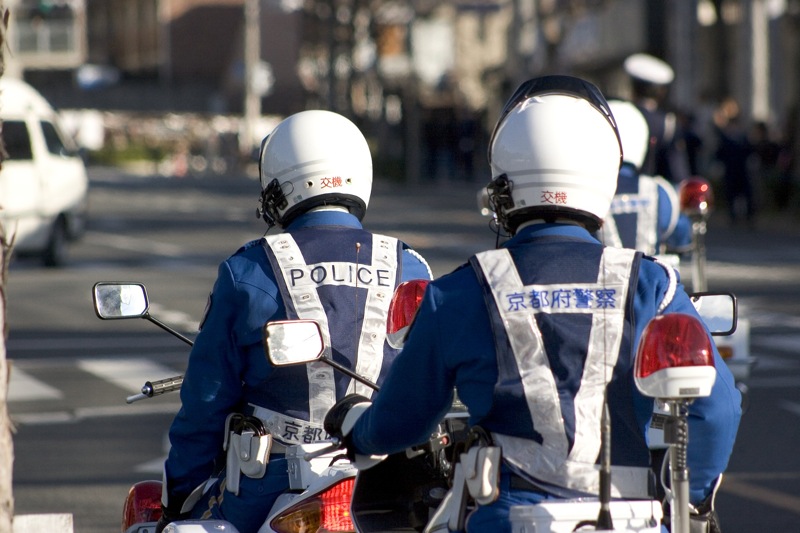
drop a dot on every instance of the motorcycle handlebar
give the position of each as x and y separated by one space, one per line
335 444
156 388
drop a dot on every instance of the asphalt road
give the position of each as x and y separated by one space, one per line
79 446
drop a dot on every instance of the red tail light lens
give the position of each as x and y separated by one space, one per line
675 358
402 310
327 512
336 507
696 196
143 504
673 340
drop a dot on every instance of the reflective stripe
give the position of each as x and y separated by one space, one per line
647 219
376 309
287 429
321 385
609 234
605 299
671 288
674 202
644 204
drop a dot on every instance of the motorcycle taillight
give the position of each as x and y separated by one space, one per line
143 504
327 512
675 358
402 310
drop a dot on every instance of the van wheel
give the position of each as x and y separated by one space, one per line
56 252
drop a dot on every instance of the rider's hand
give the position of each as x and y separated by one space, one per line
338 424
167 516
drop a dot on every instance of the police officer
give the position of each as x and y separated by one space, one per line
523 332
645 209
316 179
651 78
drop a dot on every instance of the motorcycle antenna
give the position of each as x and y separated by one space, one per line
604 521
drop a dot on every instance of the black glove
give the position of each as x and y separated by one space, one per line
168 516
336 415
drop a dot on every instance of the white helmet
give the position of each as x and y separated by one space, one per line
555 153
633 130
311 159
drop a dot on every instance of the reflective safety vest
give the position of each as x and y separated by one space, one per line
350 302
558 341
635 213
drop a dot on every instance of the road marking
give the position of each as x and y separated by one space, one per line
785 343
23 387
161 344
156 466
135 244
792 407
773 382
733 484
177 319
86 413
128 374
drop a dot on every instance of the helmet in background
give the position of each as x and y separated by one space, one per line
555 153
633 131
311 159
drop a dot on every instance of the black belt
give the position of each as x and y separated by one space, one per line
520 483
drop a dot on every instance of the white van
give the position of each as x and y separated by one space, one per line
43 181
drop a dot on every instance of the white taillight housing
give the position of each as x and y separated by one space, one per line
327 512
696 197
402 310
143 504
675 358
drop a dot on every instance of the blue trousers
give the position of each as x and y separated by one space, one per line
248 510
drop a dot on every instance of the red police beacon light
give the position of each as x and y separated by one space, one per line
402 310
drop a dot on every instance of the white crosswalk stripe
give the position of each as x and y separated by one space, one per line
128 374
24 387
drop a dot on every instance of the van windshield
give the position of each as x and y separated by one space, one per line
54 140
17 140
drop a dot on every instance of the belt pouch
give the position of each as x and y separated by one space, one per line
482 473
248 454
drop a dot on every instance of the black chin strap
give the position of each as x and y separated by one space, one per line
272 199
499 190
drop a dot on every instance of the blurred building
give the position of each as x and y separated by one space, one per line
170 55
424 78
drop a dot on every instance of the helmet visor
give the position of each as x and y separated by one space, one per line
558 84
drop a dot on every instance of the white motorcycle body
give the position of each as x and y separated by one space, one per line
561 516
564 516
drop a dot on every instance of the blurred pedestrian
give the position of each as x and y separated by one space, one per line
770 164
733 153
651 78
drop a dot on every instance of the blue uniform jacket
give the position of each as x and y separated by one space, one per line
228 358
451 345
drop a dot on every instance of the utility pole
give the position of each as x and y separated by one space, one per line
252 59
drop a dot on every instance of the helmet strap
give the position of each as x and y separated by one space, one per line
272 200
500 199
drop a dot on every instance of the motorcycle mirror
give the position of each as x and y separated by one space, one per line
114 300
292 342
718 310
